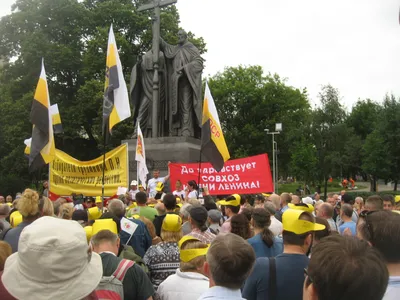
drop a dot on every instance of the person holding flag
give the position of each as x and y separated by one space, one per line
42 148
213 144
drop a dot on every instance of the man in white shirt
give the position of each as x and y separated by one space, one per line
152 184
134 190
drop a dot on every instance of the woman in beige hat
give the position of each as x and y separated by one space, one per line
53 262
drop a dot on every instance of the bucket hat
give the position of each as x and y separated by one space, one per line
53 262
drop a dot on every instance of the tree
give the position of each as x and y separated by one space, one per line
71 35
375 158
304 161
248 101
328 132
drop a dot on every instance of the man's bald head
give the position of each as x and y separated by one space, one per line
325 210
276 201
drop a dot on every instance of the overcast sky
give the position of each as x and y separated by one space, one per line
352 44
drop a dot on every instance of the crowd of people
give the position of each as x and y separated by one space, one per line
151 244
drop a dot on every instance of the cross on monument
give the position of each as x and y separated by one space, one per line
156 5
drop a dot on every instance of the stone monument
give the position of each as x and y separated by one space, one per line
166 90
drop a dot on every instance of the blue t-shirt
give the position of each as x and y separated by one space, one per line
289 278
351 225
261 249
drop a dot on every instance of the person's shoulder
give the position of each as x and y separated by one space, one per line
262 262
253 239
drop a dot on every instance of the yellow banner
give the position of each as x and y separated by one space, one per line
69 175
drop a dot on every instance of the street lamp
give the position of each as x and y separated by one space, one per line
278 129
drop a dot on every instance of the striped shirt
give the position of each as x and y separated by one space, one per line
205 237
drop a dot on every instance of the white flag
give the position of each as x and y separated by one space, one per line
128 226
141 158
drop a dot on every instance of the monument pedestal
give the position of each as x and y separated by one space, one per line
159 151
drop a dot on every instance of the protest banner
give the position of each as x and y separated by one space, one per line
69 175
250 175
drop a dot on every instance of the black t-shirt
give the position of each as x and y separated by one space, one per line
289 278
137 285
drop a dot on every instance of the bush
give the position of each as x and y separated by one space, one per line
365 195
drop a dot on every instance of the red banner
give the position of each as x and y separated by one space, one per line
250 175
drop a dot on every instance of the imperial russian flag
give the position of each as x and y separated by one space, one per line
213 144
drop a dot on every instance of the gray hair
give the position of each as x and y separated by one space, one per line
185 210
117 208
360 198
231 259
161 210
269 207
4 210
104 236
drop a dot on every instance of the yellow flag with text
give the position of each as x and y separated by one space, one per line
69 175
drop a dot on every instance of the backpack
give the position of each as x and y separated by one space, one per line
110 287
129 253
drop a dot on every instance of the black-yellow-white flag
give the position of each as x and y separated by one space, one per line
56 119
57 127
213 144
42 149
116 106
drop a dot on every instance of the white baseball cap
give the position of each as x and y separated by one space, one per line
134 182
53 261
308 200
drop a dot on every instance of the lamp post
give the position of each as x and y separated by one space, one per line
278 129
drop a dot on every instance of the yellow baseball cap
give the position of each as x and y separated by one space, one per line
266 194
94 213
291 222
397 198
189 254
172 222
15 218
235 202
159 187
302 206
98 200
88 230
104 224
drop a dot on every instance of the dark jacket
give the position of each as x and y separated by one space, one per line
12 235
141 239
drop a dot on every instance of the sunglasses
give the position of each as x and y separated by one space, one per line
364 214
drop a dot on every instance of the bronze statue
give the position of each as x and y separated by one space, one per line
166 90
184 65
141 90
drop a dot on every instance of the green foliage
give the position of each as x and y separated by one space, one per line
248 101
328 132
71 36
304 161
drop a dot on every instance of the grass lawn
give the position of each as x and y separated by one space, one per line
332 187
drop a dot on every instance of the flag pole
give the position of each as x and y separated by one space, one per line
104 165
127 242
137 173
199 177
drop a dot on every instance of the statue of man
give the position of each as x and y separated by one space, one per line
185 66
141 89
